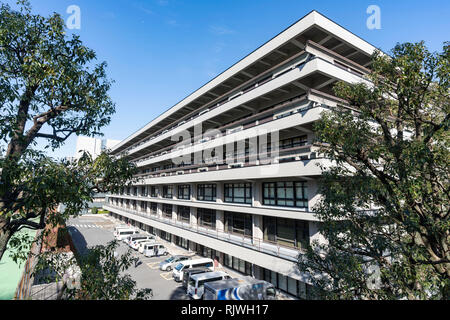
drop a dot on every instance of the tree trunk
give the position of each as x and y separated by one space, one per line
5 235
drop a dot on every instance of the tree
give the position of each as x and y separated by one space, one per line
50 89
101 274
385 205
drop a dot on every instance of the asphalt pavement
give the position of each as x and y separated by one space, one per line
91 230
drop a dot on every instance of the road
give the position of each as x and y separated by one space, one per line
88 231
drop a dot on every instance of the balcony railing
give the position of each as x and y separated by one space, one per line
231 127
300 153
244 88
257 244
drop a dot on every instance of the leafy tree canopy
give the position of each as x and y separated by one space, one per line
50 89
385 205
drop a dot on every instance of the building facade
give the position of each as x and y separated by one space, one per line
94 146
232 170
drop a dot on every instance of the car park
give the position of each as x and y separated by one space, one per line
196 283
169 263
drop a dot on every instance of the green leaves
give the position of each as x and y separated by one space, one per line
386 201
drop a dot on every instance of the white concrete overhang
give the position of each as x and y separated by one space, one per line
330 31
314 66
293 120
294 213
302 168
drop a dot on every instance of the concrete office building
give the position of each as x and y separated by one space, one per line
254 213
94 146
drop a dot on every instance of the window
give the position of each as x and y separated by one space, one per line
239 223
144 192
153 191
237 264
294 142
144 206
206 192
184 192
165 235
182 242
288 232
289 285
238 192
206 217
285 194
167 191
153 208
167 210
183 213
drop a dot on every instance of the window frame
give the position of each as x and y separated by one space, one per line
298 201
201 196
247 198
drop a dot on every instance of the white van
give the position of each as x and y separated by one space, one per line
124 233
195 287
135 243
154 250
143 243
120 227
177 272
135 237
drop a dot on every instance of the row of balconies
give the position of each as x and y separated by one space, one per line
255 243
244 88
301 153
297 61
263 117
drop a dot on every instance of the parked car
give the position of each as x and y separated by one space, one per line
154 250
196 282
128 240
120 227
143 243
122 234
134 243
177 272
190 272
169 263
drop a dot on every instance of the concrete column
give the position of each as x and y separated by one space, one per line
257 194
193 216
257 229
312 191
220 225
219 192
314 233
174 213
159 210
138 190
193 191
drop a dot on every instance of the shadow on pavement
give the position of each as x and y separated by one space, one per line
179 294
78 240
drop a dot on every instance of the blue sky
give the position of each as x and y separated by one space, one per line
160 51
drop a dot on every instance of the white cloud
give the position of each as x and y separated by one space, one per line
220 30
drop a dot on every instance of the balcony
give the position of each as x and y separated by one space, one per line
260 245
